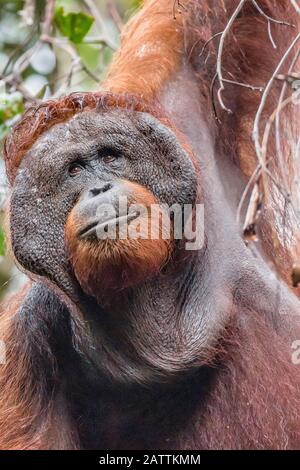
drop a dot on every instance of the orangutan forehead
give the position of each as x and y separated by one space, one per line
88 124
37 121
89 129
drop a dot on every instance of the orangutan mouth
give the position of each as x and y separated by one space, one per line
97 226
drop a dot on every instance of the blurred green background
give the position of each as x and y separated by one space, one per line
47 49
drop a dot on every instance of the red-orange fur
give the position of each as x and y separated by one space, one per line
256 399
151 51
26 421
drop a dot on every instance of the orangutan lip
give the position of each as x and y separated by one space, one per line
95 224
88 227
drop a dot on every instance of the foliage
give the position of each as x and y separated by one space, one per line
11 106
74 26
35 65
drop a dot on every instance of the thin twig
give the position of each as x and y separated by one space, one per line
179 5
249 231
296 6
27 13
23 61
271 35
95 12
244 85
114 13
19 48
204 46
69 49
48 19
212 88
21 64
255 133
267 131
253 180
291 77
95 40
220 54
17 83
208 41
269 18
277 120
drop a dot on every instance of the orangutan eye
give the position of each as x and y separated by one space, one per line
75 168
109 155
109 158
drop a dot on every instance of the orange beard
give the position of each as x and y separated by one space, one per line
105 267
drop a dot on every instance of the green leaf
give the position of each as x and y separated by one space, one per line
2 243
74 26
90 55
11 106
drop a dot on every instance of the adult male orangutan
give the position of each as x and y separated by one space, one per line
140 343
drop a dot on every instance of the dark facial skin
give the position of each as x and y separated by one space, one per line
74 159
